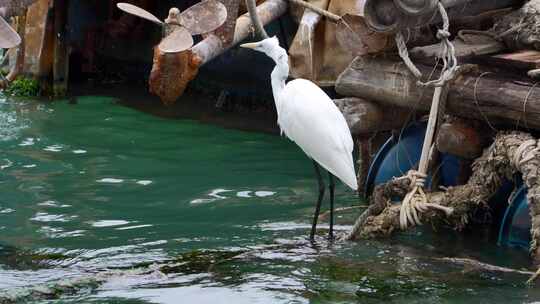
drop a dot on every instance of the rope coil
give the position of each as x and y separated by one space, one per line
526 151
448 54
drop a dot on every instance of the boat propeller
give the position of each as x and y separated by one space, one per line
8 36
200 18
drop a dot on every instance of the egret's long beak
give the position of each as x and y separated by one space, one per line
250 45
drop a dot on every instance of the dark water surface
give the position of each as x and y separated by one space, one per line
100 203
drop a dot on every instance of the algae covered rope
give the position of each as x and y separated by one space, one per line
416 200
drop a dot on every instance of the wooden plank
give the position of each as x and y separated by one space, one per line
35 37
61 57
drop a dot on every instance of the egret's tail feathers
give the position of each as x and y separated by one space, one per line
350 181
345 173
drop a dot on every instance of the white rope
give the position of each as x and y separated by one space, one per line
416 200
526 151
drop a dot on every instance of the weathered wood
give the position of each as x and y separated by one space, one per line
61 57
36 40
459 137
364 117
520 60
519 29
465 45
489 97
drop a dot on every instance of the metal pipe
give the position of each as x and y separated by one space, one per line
391 15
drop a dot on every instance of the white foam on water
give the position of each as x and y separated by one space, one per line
133 227
79 151
214 194
29 141
6 211
144 182
109 223
53 148
109 180
46 217
55 204
58 233
264 193
7 164
244 194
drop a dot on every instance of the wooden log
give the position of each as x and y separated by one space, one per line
488 97
365 117
268 11
461 138
169 82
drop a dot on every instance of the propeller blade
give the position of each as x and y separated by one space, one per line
204 16
8 36
139 12
177 41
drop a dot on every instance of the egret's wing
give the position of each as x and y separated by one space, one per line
311 119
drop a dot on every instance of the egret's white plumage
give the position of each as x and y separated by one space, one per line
309 117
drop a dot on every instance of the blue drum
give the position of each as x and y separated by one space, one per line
516 224
399 155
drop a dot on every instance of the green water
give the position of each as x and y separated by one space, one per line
101 203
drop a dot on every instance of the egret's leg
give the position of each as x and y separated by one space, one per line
319 200
331 187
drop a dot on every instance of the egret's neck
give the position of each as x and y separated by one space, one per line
280 73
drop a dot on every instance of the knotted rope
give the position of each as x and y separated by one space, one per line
416 200
525 152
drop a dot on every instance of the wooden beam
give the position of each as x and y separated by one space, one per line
364 117
61 56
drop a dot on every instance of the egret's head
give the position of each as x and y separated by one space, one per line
269 46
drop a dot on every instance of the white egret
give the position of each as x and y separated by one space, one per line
307 116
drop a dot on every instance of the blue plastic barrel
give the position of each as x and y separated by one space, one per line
399 155
516 224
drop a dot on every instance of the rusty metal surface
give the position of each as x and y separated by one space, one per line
354 35
179 40
204 17
393 15
139 12
416 7
171 73
8 36
226 31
